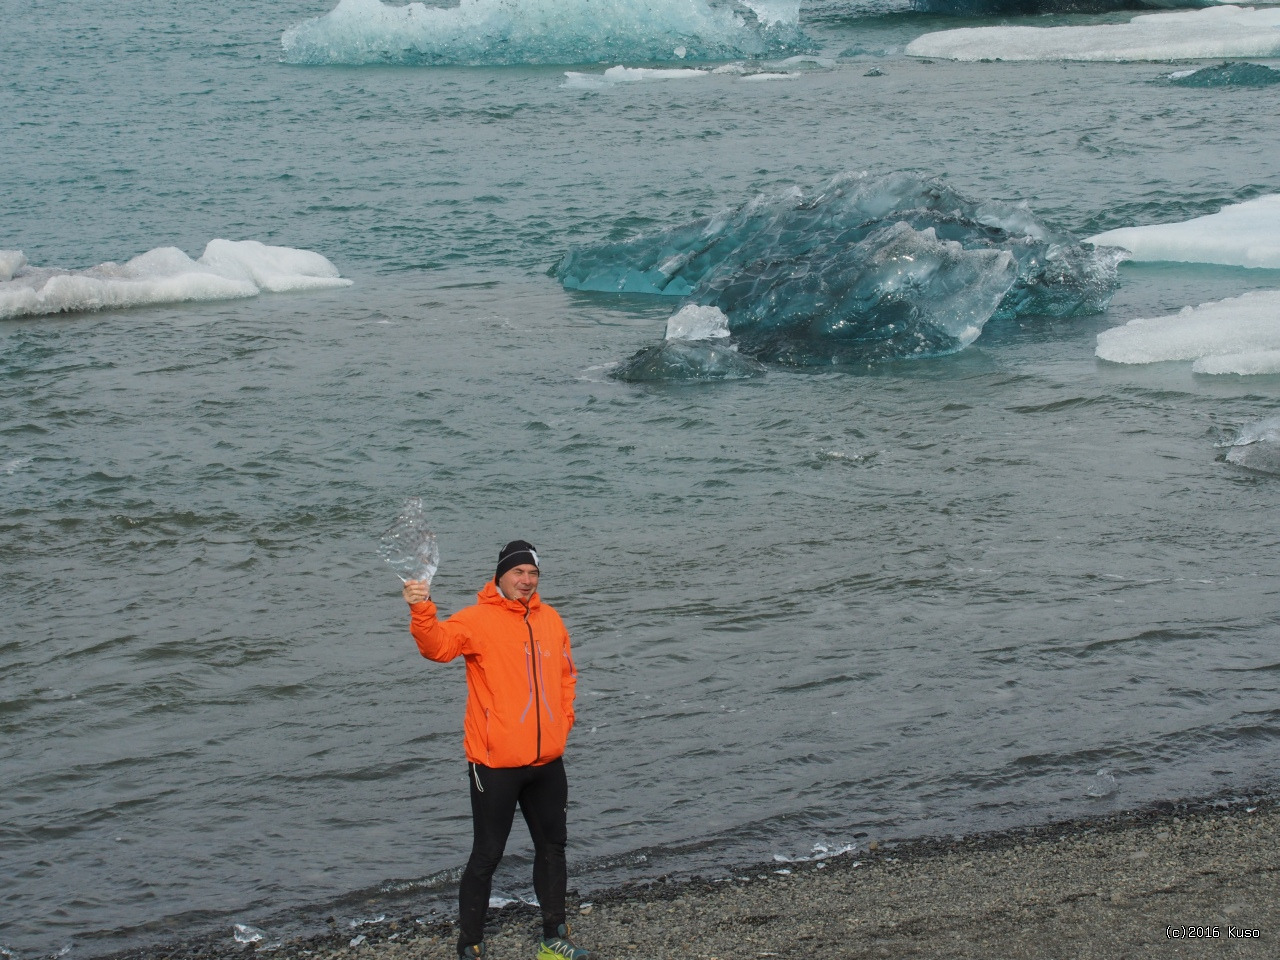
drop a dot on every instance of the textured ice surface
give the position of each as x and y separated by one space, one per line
496 32
691 360
1241 235
899 292
228 269
1227 75
697 323
1257 446
409 545
1240 335
871 268
1225 31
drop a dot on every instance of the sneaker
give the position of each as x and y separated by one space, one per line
472 951
560 947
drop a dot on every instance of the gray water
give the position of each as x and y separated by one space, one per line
919 598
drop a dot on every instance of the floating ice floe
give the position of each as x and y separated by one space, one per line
497 32
871 268
1240 335
1241 235
788 69
228 270
615 75
1216 32
1257 446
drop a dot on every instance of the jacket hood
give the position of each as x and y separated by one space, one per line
489 594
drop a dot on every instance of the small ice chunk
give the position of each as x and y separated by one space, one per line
409 545
1102 785
697 323
246 933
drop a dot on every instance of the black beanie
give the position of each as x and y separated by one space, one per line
513 554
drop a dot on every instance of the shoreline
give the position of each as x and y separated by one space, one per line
1186 878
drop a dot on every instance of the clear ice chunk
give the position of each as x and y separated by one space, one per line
409 545
1102 785
697 323
245 933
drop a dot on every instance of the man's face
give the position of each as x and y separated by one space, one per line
520 582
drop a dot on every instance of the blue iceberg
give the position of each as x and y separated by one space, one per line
505 32
871 268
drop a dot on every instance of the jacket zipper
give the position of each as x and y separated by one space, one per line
537 684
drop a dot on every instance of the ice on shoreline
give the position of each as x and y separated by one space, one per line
228 270
1213 33
1241 235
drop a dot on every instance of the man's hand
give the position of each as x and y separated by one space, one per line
416 591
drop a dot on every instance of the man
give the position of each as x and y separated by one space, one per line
520 686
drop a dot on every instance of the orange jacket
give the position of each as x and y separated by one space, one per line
520 675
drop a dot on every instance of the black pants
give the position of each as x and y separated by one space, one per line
543 795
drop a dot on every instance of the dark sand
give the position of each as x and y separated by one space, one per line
1191 879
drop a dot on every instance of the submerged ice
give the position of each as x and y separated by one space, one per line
498 32
872 268
1227 75
228 269
696 348
1257 446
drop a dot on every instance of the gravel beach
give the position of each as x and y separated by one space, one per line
1187 879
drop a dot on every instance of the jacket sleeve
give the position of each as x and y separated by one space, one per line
568 681
437 641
